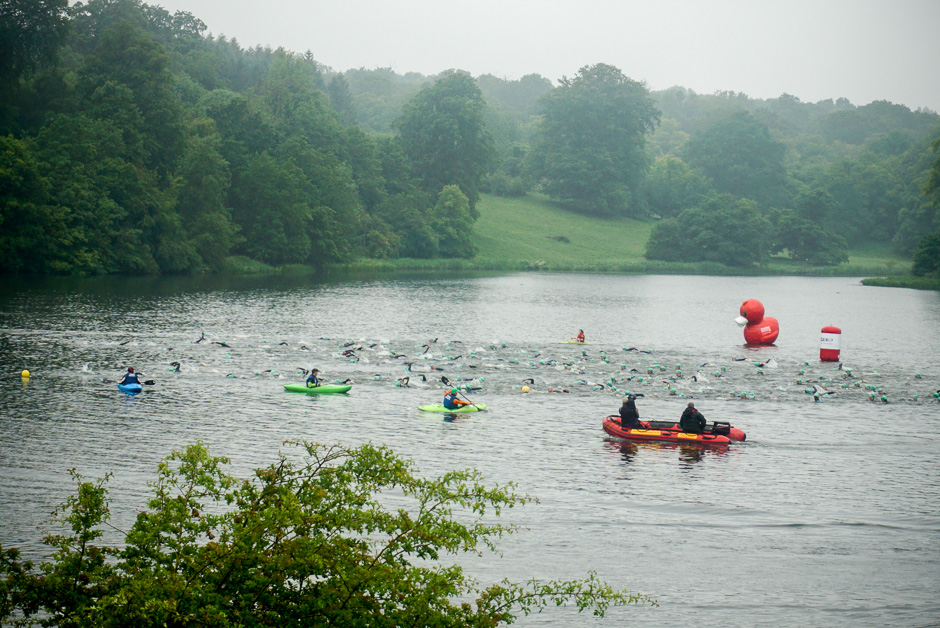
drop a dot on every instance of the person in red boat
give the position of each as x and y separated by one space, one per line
692 421
629 415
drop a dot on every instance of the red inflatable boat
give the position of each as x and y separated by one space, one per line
719 433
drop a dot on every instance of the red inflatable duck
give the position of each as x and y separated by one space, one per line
759 329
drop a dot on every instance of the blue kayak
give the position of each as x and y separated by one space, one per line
130 388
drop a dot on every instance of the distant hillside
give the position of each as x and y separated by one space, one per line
535 233
538 232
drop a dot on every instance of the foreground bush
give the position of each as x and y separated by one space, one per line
347 537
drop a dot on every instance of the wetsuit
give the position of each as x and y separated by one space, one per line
629 415
692 421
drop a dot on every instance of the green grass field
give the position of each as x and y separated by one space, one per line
528 233
533 231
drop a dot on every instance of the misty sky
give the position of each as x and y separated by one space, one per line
863 50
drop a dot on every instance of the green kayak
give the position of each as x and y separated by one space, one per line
573 342
322 389
436 407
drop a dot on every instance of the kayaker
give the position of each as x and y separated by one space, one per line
692 421
580 335
312 380
451 402
629 415
130 377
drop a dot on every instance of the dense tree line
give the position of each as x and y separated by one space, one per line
822 176
132 141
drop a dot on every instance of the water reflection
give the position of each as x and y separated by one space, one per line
628 450
696 453
687 452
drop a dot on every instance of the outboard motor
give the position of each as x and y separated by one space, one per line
724 428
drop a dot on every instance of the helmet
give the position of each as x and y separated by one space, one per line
453 391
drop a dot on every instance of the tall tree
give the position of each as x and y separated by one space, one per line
204 181
806 240
330 192
589 149
31 32
866 194
129 58
341 99
673 186
742 159
932 187
723 229
927 255
450 218
269 202
444 134
32 232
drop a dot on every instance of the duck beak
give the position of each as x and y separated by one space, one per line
741 321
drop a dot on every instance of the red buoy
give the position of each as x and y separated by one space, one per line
830 341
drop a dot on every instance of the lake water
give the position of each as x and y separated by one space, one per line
828 515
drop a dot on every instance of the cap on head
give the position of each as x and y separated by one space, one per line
691 405
453 391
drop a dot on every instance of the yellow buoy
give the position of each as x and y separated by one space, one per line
525 389
25 374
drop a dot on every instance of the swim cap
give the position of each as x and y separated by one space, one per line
453 391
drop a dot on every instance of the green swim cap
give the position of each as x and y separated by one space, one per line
453 391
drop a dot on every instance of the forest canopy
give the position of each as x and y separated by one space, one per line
131 141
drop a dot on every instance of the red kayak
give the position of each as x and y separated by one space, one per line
720 433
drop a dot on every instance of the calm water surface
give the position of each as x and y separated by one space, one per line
828 515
